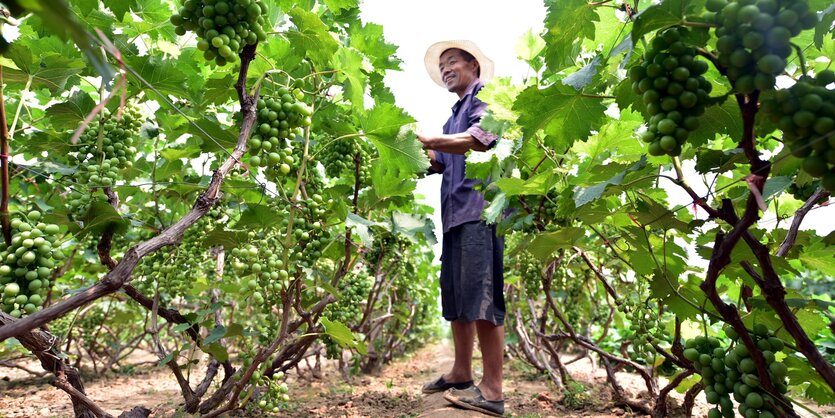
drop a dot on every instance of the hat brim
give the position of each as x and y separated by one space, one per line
433 58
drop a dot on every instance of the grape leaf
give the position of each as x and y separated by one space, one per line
338 5
584 76
369 40
163 75
567 22
668 13
563 113
583 195
545 244
342 335
349 63
51 71
70 113
311 37
410 226
536 185
398 147
824 26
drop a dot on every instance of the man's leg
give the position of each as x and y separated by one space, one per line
491 340
463 338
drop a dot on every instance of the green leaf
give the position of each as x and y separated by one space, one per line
529 46
349 62
362 226
775 185
397 145
496 208
215 334
338 5
163 75
69 114
719 161
342 335
370 41
563 113
544 245
584 76
722 119
583 195
120 7
567 22
536 185
216 350
259 216
668 13
653 214
51 71
819 256
311 37
824 26
214 136
227 239
410 226
102 217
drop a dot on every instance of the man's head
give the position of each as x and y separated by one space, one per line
458 69
455 64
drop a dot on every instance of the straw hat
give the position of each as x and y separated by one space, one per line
433 58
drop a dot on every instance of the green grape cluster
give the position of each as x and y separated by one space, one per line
348 308
648 328
338 157
754 38
805 112
223 26
105 148
275 394
175 271
727 373
27 264
672 87
279 118
805 191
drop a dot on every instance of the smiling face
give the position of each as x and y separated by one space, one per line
456 72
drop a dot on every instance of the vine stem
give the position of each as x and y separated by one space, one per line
800 57
4 166
20 106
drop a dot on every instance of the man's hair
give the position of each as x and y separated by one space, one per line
467 57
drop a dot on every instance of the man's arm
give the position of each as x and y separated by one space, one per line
451 143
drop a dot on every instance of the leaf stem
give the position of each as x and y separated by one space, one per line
19 107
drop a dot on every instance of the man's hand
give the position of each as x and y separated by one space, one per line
426 140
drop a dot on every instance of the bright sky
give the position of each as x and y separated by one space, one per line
493 25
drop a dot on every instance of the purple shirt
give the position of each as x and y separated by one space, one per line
460 202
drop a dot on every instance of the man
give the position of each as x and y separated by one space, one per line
471 260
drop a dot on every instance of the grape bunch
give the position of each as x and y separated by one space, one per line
105 148
348 308
672 87
754 38
275 394
805 191
338 157
648 328
805 112
27 264
223 26
279 117
727 373
176 271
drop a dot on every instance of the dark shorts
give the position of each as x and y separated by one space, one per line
472 265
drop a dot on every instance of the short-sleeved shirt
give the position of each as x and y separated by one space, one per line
460 202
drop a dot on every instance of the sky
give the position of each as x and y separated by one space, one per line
494 26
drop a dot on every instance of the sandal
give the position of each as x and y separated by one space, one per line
441 385
474 401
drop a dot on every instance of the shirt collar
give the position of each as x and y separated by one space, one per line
473 85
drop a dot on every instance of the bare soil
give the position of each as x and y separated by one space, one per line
393 392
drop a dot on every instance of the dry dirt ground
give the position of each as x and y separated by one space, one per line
393 392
